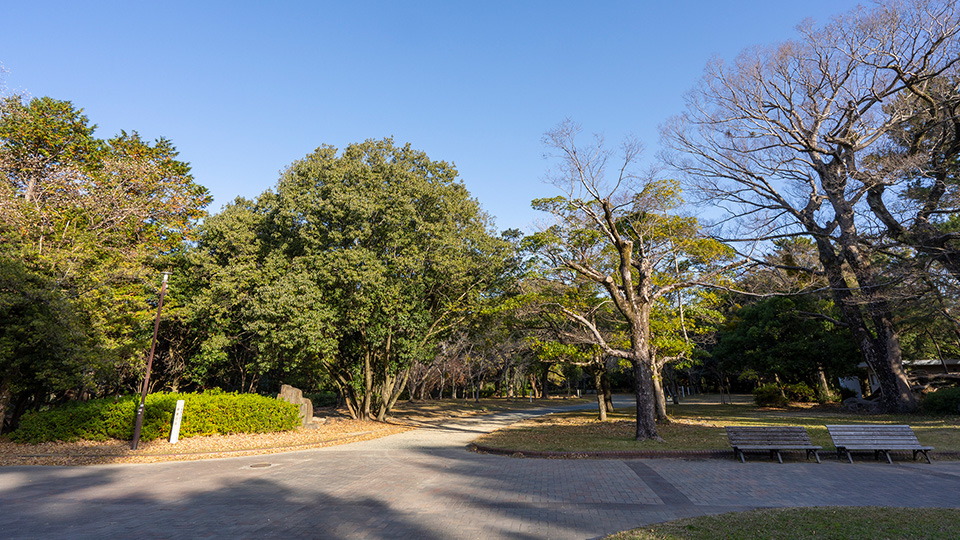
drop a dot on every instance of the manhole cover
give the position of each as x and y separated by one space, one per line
261 465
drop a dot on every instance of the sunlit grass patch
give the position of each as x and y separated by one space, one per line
699 427
820 523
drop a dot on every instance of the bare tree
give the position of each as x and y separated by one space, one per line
779 140
923 156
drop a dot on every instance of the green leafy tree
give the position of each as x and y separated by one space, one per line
403 250
557 339
250 318
44 345
40 137
682 325
787 340
620 234
95 219
357 264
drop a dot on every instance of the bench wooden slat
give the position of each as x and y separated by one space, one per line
770 438
879 438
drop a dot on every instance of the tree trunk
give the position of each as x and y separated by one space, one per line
670 376
387 390
601 401
412 389
643 373
367 386
390 393
823 387
646 408
661 398
870 320
6 396
607 391
349 396
545 385
534 391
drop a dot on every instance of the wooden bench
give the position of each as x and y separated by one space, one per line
770 438
878 438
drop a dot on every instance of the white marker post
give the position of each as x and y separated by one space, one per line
177 418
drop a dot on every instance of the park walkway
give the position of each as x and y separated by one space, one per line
423 484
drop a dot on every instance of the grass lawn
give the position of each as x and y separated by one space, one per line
819 523
452 408
699 426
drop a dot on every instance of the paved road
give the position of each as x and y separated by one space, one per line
423 484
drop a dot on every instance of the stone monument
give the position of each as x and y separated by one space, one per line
294 395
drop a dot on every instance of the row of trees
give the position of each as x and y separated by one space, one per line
82 221
371 270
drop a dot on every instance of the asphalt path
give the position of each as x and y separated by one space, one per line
425 484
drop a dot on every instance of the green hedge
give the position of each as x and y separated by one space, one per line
212 412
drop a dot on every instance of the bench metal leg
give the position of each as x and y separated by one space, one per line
924 452
887 454
777 452
815 454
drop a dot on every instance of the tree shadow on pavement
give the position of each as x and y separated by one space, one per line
44 502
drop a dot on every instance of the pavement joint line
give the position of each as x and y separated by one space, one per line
652 454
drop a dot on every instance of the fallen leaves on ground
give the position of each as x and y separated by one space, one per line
334 431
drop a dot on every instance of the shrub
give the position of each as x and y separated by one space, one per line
799 392
943 401
769 395
208 413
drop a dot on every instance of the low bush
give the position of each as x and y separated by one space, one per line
769 395
799 392
212 412
943 401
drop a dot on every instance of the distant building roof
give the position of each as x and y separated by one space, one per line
932 362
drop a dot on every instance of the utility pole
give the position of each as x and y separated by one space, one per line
138 426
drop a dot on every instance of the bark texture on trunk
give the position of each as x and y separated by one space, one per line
661 397
646 409
6 397
601 400
870 319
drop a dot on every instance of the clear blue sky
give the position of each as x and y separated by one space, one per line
243 88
